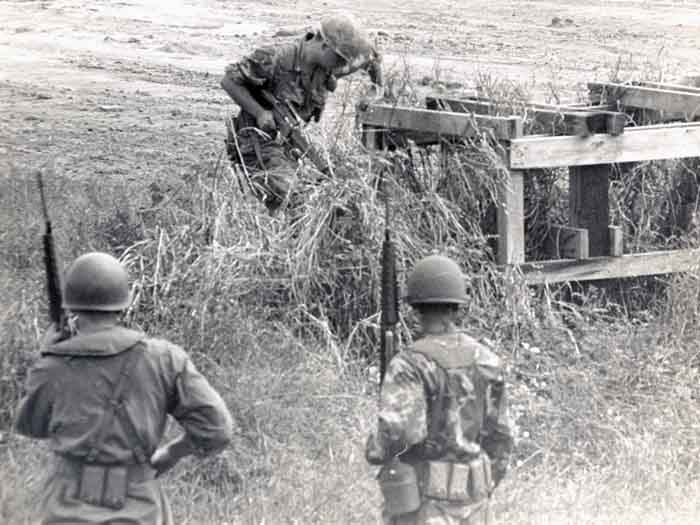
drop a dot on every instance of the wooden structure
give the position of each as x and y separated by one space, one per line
595 137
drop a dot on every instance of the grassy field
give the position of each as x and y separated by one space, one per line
603 381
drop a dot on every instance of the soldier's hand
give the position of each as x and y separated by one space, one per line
162 460
266 121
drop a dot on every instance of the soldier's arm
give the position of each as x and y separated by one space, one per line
402 420
199 409
255 70
34 411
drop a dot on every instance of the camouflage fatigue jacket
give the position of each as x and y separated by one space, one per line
67 391
279 69
444 399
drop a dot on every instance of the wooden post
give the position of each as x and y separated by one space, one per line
372 137
511 219
616 241
510 211
589 204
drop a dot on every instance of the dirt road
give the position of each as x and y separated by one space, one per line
132 88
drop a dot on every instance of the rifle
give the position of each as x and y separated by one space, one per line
389 298
289 127
56 313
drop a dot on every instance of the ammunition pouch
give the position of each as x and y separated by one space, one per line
465 483
103 485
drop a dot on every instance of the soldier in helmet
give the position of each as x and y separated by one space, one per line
101 397
299 74
443 435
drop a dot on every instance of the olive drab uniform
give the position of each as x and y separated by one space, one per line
443 411
101 398
267 161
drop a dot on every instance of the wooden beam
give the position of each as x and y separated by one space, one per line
636 144
631 265
671 87
589 206
510 219
441 122
616 241
569 120
648 97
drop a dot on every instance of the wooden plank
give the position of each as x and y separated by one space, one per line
671 87
441 122
569 243
636 144
510 219
630 265
589 206
648 98
485 102
616 241
584 121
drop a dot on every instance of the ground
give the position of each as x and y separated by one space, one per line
118 87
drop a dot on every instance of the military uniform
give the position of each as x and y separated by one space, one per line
269 161
101 398
443 411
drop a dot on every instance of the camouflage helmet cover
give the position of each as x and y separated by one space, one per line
436 279
96 281
346 37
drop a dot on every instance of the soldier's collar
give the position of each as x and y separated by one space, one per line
110 341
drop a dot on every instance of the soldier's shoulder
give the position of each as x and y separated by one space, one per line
486 356
162 348
267 56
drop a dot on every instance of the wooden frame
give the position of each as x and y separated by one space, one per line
593 143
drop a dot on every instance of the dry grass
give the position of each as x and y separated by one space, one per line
282 318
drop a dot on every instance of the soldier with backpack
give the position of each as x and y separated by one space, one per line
443 436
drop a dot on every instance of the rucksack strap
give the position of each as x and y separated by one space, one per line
116 408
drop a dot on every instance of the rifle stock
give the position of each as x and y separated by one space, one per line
56 313
288 126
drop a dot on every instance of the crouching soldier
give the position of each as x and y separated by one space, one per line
102 396
281 88
443 435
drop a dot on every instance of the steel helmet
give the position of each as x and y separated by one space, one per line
96 281
436 279
346 37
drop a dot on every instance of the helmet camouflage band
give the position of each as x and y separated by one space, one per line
97 282
436 279
345 36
